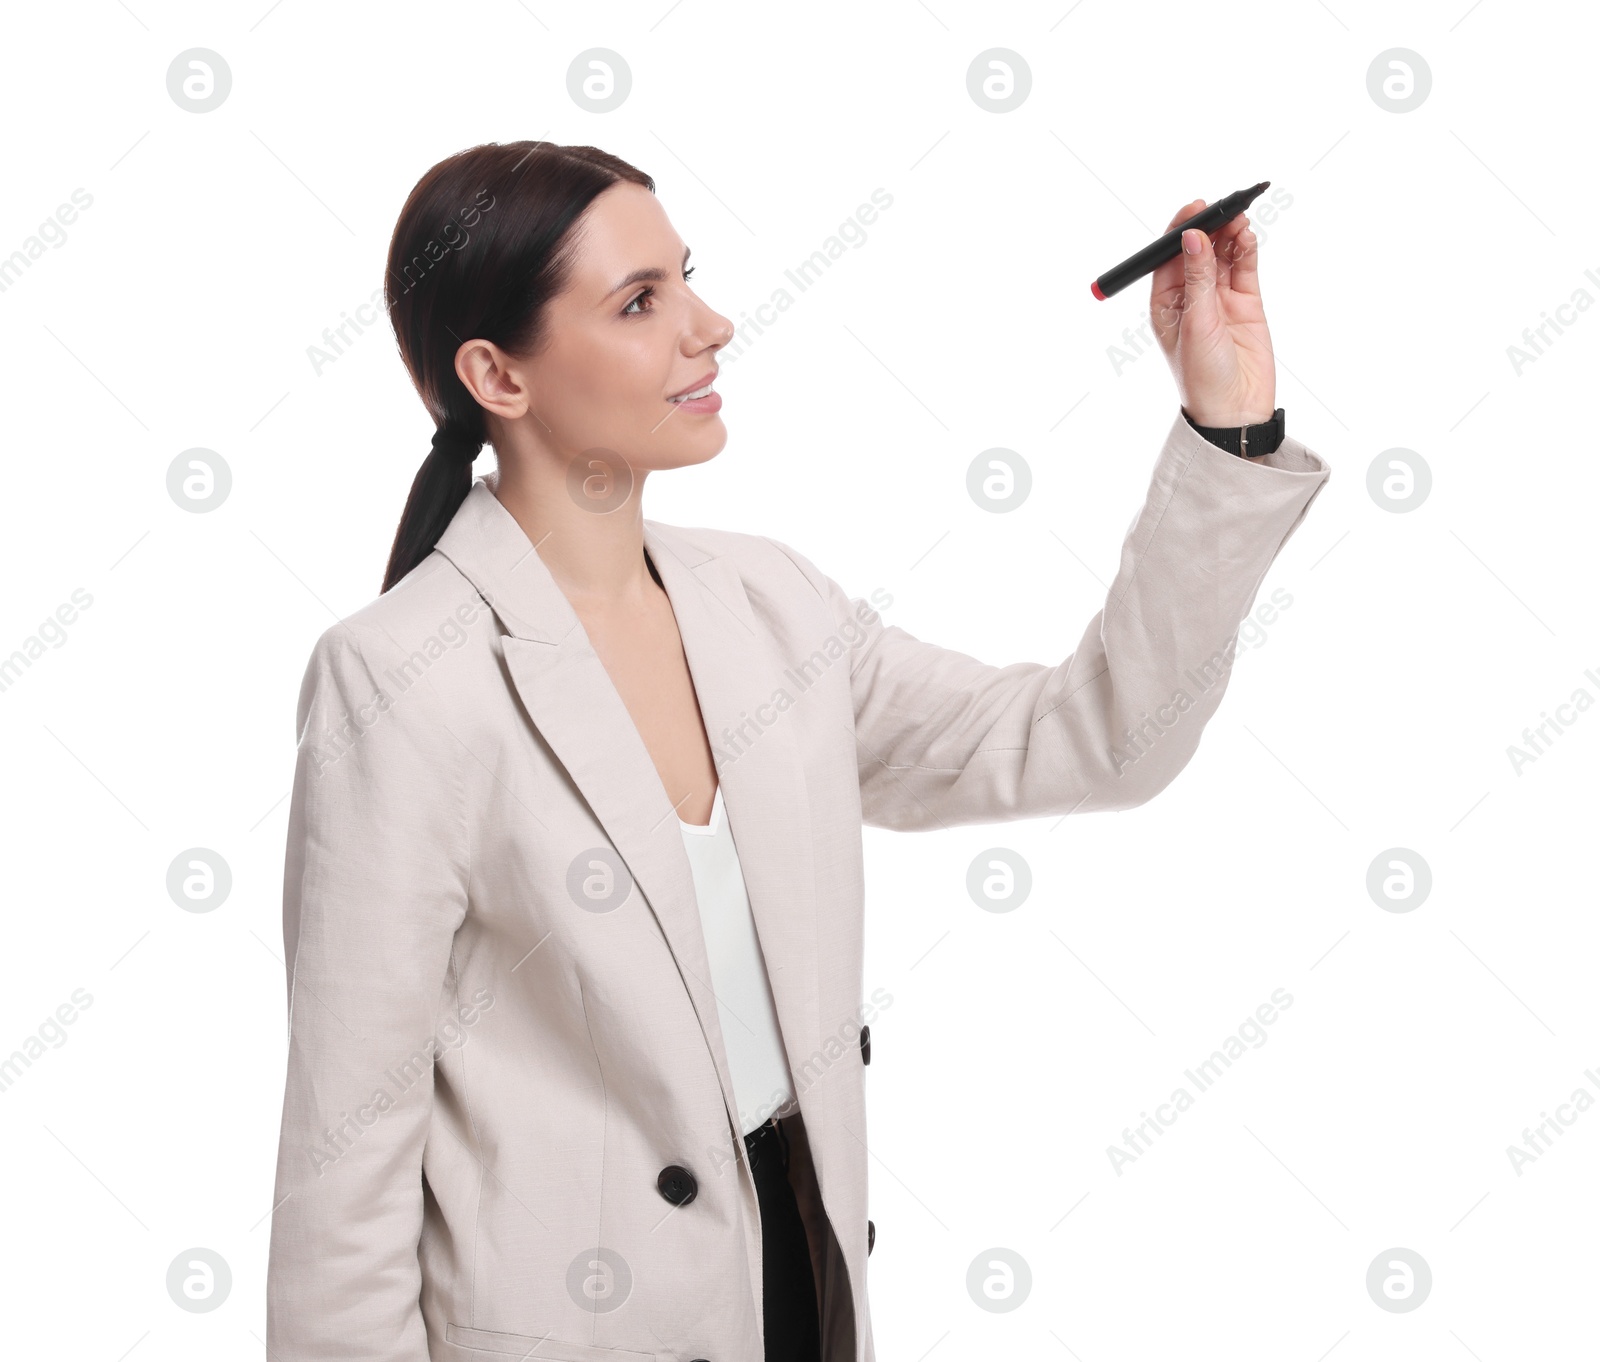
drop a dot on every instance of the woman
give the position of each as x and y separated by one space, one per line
573 893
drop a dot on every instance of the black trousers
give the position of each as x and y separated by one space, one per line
788 1286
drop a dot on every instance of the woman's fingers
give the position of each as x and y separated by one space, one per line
1228 249
1234 249
1243 275
1224 240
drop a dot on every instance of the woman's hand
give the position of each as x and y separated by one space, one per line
1206 309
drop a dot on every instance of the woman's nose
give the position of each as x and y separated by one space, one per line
714 327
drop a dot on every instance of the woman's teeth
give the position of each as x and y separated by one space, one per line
698 392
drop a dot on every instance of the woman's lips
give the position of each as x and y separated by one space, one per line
711 402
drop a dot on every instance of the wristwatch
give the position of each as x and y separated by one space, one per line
1245 441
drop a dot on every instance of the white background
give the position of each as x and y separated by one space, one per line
1377 712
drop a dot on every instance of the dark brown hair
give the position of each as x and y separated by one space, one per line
483 244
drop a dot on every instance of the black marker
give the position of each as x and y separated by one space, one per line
1163 248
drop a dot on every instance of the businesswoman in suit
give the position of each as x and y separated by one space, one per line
573 888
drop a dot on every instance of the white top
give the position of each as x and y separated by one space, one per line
761 1082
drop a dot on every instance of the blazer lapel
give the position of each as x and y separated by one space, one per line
570 698
736 676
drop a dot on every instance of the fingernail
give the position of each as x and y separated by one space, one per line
1191 241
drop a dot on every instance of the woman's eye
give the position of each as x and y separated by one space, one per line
650 292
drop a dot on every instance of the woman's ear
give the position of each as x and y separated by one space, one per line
494 379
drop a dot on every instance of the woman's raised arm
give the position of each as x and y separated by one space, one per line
943 739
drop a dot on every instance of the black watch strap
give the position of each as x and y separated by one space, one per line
1245 441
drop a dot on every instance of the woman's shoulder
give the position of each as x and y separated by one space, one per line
430 613
424 601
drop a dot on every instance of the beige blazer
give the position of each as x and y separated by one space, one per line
508 1125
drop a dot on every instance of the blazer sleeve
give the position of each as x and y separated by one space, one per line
943 739
375 885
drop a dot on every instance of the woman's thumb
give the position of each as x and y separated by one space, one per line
1199 275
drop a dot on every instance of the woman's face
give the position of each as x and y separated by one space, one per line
626 336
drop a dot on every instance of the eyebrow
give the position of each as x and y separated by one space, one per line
651 275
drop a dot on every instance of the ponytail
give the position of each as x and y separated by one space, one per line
441 485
